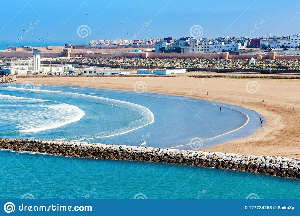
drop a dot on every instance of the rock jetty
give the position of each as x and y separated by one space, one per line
275 166
6 79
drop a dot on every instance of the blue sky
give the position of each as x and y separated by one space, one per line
58 20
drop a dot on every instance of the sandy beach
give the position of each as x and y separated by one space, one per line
278 100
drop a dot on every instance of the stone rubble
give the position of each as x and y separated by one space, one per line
275 166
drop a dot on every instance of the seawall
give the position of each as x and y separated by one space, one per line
275 166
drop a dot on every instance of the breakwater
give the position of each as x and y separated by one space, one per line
275 166
6 79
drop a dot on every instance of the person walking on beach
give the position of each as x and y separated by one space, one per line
261 121
220 109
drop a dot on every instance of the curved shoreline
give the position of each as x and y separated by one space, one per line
241 130
275 166
140 109
281 109
219 135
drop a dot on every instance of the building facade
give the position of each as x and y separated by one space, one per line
36 61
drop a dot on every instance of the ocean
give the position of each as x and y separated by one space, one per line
5 44
73 113
47 112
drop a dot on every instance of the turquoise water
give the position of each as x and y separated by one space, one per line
44 176
118 117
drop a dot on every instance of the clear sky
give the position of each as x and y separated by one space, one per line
58 20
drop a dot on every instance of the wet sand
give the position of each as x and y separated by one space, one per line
278 100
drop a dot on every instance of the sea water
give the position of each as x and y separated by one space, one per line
45 176
122 117
118 117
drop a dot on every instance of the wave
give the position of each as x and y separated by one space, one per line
147 117
63 113
38 115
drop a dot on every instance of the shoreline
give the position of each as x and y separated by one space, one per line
278 137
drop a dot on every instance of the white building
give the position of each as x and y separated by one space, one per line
198 46
295 40
18 67
162 45
281 42
225 47
36 60
193 45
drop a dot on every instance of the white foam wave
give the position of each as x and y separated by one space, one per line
10 98
63 114
144 112
148 116
30 89
38 116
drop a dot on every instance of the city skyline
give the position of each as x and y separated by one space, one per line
45 22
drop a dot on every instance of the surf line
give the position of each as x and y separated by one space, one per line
228 132
143 111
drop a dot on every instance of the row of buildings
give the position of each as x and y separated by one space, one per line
33 66
227 44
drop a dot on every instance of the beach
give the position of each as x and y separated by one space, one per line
275 99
